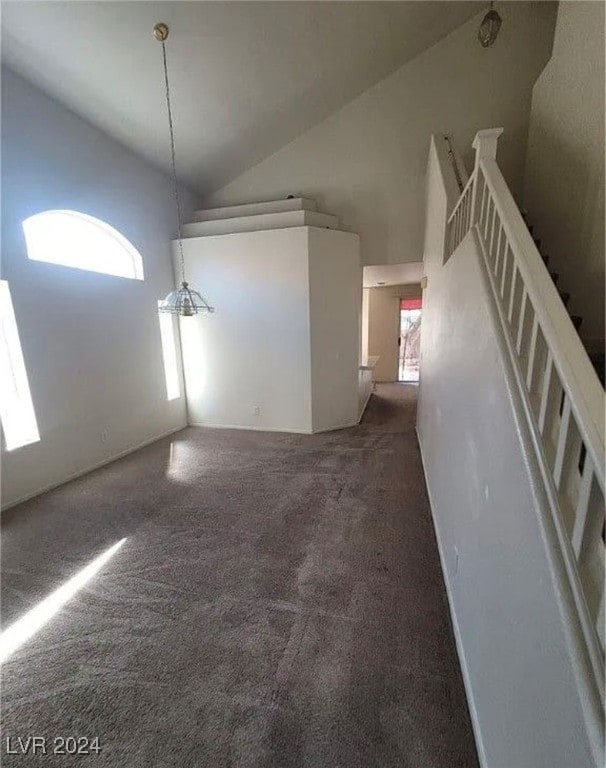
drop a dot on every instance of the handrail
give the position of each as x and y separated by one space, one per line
466 188
458 165
459 221
564 403
586 654
577 375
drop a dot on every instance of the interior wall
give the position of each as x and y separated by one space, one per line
248 364
335 288
383 332
384 327
366 163
364 320
91 342
510 632
564 180
280 352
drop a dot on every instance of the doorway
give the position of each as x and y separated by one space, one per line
409 340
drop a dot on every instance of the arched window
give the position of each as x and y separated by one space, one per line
74 239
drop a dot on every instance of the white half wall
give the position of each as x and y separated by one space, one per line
366 163
91 342
564 182
335 294
505 602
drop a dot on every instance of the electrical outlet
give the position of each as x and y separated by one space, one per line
456 562
256 410
104 435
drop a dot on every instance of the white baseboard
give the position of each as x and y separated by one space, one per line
91 468
475 722
364 406
249 429
345 425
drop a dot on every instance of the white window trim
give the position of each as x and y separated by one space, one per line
47 252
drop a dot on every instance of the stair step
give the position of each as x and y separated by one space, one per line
576 321
555 277
262 221
565 296
255 209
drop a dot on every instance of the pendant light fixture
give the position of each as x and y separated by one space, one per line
184 301
489 28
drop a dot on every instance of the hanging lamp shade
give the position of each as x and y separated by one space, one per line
183 301
489 28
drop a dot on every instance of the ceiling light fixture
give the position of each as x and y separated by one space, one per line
489 28
184 301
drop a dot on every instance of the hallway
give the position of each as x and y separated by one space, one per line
278 601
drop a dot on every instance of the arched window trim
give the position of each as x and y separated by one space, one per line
37 253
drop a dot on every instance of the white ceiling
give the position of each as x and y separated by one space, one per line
393 274
247 77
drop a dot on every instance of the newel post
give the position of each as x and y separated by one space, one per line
485 145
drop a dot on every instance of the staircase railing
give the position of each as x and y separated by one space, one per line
458 165
563 395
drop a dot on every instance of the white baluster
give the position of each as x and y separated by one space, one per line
512 291
497 252
532 352
485 199
601 621
507 257
589 514
489 215
548 391
568 447
522 315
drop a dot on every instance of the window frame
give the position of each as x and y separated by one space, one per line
98 225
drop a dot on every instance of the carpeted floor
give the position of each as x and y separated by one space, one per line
278 602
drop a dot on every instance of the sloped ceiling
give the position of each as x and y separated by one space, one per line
247 77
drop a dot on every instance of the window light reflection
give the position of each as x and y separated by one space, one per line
26 627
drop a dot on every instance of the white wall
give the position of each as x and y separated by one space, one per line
384 331
564 182
383 327
366 163
254 351
335 293
364 320
91 342
280 352
510 631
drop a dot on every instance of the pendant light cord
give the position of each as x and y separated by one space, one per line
172 157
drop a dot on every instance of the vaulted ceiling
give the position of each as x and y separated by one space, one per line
247 77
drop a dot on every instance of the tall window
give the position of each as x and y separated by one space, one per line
74 239
169 355
16 408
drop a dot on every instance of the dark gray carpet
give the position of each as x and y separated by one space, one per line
278 602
